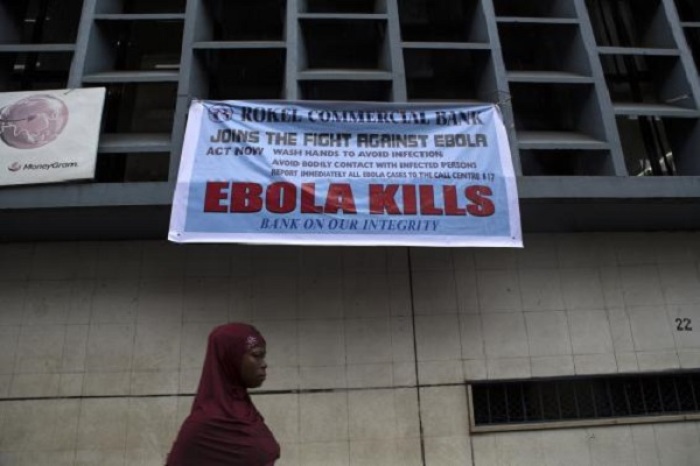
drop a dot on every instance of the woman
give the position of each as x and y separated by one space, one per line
224 428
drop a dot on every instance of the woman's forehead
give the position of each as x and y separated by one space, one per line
254 341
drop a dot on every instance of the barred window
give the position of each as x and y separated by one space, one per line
506 403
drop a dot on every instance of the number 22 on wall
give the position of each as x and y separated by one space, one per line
684 325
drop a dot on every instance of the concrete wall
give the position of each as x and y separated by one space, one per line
101 345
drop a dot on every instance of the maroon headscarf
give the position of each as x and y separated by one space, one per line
224 428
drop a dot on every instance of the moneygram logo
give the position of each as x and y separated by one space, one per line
33 122
41 166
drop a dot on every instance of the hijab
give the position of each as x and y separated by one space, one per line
224 428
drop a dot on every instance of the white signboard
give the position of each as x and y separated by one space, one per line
346 174
49 136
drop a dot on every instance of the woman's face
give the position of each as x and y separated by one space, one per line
254 367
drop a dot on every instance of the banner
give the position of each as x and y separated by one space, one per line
346 174
49 136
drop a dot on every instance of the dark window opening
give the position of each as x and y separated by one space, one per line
684 139
368 91
688 10
339 44
647 79
449 75
536 8
646 145
242 74
552 107
443 21
129 168
154 6
39 21
630 23
566 163
139 45
345 6
247 20
584 398
539 47
34 71
140 7
139 108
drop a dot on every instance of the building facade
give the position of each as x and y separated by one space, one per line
377 355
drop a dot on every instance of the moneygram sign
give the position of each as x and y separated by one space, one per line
346 174
49 136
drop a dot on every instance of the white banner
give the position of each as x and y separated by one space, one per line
49 136
346 174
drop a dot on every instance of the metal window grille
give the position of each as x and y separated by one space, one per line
585 398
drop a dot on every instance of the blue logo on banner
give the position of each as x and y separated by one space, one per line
220 113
